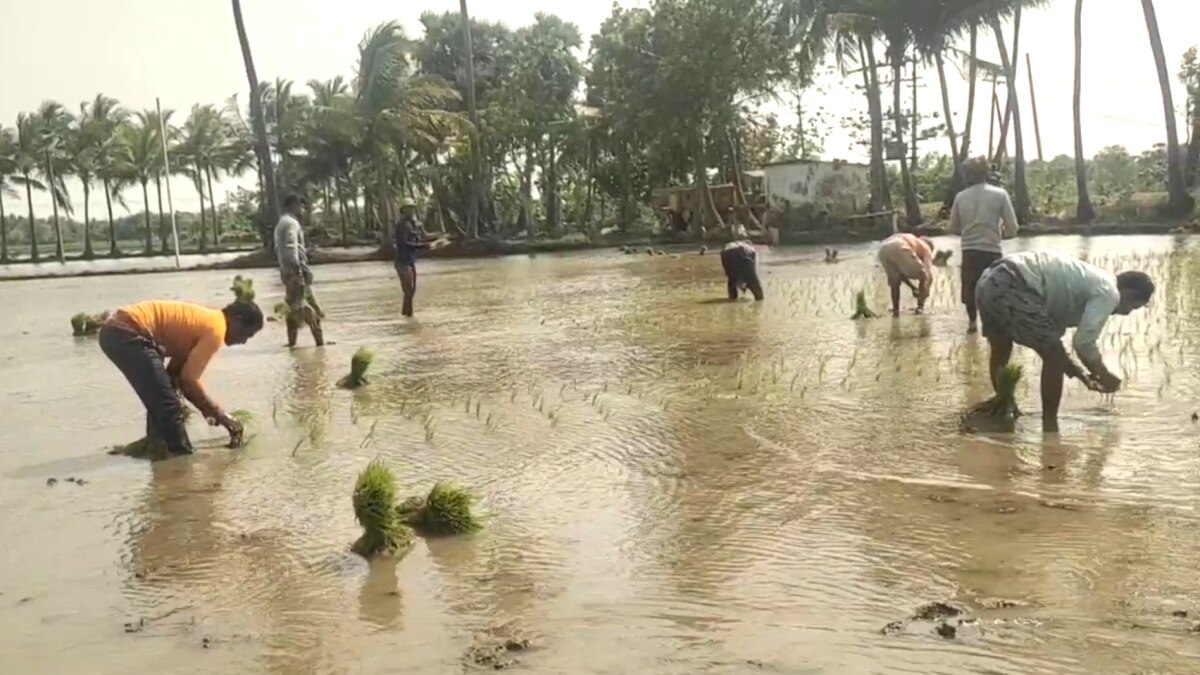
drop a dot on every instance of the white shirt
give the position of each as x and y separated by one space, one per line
983 215
1077 295
289 243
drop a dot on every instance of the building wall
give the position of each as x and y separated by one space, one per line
838 188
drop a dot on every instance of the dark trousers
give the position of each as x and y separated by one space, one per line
140 362
741 269
974 264
408 284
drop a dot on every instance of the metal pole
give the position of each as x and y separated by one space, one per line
162 134
1037 127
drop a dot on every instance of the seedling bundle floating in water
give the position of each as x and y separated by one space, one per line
359 364
1000 412
384 532
445 512
388 527
861 310
243 288
83 324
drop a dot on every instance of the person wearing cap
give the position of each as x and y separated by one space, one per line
162 345
1032 298
982 216
295 274
739 260
410 238
905 257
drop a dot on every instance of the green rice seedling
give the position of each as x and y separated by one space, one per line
359 364
282 311
446 511
384 532
243 288
84 324
861 310
1001 411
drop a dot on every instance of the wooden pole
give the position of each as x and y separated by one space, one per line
162 134
1037 127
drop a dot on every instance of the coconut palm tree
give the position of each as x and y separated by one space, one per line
28 159
396 108
1021 201
203 136
54 131
152 119
1084 211
1180 201
139 158
262 148
93 136
8 175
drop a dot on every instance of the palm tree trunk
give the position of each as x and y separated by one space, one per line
51 184
198 183
1192 178
270 198
473 112
3 234
34 255
879 190
912 208
341 200
212 207
1180 202
1020 185
88 253
525 221
973 77
946 111
112 224
162 221
1084 212
708 212
146 209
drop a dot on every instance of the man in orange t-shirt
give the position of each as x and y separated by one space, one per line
905 257
139 338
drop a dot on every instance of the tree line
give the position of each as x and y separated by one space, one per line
472 116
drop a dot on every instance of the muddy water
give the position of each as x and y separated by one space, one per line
673 486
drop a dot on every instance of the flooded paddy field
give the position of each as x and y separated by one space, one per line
672 485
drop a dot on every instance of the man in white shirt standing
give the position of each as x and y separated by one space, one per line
1032 298
982 216
295 274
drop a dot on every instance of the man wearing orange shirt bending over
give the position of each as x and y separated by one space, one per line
139 339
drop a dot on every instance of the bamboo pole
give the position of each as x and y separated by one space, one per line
162 134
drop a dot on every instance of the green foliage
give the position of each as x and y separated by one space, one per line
374 508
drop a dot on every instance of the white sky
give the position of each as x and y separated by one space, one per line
187 52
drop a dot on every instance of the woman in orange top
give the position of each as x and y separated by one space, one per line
139 338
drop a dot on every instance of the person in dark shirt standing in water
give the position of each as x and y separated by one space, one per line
410 238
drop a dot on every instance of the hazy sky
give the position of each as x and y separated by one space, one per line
187 52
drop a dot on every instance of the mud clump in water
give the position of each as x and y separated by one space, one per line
947 619
497 653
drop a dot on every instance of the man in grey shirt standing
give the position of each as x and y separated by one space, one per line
982 215
302 307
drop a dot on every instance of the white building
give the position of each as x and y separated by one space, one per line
840 188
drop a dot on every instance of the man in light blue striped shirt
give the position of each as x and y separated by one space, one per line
1032 298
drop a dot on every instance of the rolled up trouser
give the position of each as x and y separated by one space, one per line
408 285
740 262
140 361
296 282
